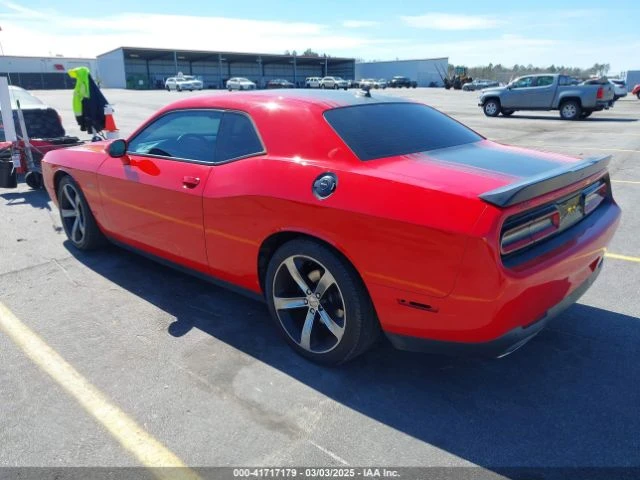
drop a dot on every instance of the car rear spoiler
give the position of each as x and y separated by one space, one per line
538 185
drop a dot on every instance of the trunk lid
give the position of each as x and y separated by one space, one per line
471 169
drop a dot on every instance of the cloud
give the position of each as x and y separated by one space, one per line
447 21
27 32
359 23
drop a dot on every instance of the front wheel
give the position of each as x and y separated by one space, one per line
319 303
638 95
491 107
77 219
570 110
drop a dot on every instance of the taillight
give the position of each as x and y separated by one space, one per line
529 230
593 196
600 93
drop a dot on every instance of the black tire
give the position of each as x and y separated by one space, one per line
168 89
178 89
570 110
92 237
491 107
322 86
34 180
345 296
507 113
638 95
586 113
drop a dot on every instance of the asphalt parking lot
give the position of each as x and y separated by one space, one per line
205 374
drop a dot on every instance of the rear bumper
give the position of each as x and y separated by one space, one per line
501 346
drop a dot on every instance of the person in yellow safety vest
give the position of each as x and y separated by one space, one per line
81 90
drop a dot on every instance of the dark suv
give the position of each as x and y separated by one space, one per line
399 82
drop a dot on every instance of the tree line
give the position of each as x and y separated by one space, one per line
502 73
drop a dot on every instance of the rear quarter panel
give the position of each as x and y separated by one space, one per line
395 234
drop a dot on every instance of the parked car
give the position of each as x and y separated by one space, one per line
474 246
280 83
333 82
44 128
479 85
312 82
619 88
186 82
240 83
399 82
636 91
547 92
380 83
367 83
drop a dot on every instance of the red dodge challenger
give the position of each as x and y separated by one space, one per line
351 215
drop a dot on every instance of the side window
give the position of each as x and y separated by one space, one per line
563 80
238 138
523 82
544 81
184 134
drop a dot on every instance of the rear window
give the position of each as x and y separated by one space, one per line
389 129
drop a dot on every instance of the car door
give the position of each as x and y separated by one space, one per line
152 198
517 95
227 218
542 92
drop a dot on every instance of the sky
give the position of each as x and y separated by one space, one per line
471 33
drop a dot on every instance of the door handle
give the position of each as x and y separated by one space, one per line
190 182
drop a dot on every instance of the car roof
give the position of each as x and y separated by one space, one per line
265 99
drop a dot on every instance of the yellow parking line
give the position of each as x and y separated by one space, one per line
625 181
622 257
149 451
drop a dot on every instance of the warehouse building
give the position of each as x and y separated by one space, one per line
428 72
148 68
43 73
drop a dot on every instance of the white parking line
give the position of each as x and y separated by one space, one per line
330 453
149 451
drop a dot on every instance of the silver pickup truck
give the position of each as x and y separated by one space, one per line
547 92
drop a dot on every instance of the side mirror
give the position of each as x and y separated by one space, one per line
117 148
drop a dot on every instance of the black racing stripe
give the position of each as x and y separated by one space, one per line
495 159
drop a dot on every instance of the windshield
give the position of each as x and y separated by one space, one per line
25 98
389 129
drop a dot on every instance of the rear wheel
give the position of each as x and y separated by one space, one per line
491 107
570 110
638 95
319 303
586 113
77 220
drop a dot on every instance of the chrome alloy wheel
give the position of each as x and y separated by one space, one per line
569 110
491 108
72 214
309 304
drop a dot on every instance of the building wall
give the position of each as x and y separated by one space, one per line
44 73
111 69
633 79
425 72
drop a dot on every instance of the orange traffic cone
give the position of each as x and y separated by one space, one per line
110 128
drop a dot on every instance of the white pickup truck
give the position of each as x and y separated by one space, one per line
547 92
